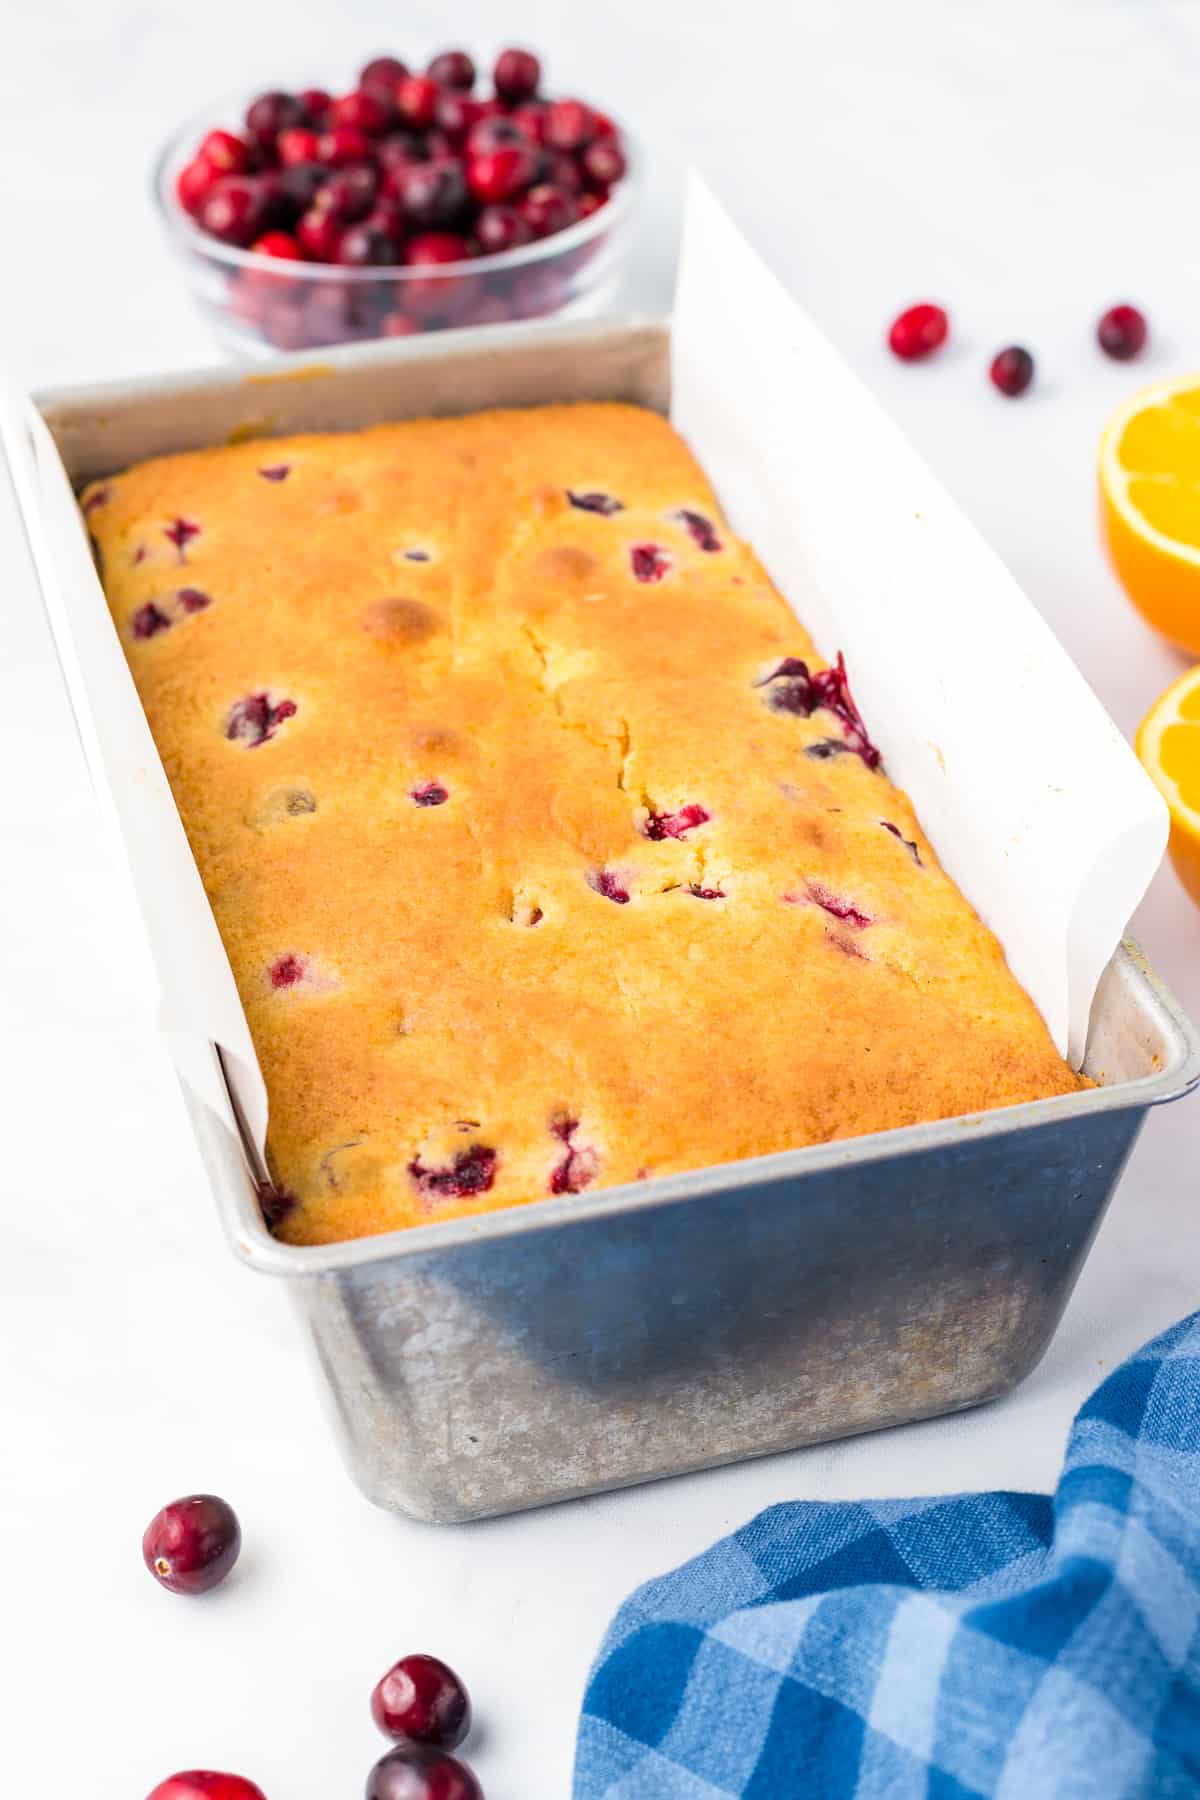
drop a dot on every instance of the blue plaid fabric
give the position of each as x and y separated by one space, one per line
1007 1644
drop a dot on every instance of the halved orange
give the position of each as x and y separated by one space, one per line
1150 504
1168 743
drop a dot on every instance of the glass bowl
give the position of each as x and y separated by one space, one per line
257 305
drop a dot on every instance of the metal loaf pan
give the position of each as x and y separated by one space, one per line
483 1365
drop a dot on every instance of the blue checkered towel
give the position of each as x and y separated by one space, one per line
1006 1645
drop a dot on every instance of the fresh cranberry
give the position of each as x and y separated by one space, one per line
603 163
319 235
611 885
591 203
500 174
1011 370
192 1544
181 532
427 296
471 1172
316 103
229 155
349 195
299 185
530 120
149 620
557 169
909 843
918 331
342 145
235 210
453 69
272 113
430 793
794 690
569 125
363 112
274 1203
675 825
299 144
414 1772
581 1164
501 228
383 72
595 503
454 115
516 75
194 183
279 244
399 325
252 720
206 1784
700 529
833 903
605 127
416 100
421 1700
369 245
432 194
547 210
493 134
648 562
1122 332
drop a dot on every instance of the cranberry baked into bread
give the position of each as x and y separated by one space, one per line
547 852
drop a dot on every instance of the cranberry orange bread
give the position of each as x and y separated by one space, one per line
546 851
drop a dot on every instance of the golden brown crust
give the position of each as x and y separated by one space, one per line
441 778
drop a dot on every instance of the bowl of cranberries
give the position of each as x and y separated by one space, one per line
421 199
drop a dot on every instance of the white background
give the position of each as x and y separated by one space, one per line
1026 162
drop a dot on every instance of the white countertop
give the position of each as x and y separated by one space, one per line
1028 164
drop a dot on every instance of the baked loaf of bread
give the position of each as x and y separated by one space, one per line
547 852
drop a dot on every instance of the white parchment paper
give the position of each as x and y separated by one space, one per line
1036 805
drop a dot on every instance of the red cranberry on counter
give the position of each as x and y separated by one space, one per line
1012 371
192 1544
1122 332
421 1699
918 331
453 69
206 1784
516 75
413 1772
